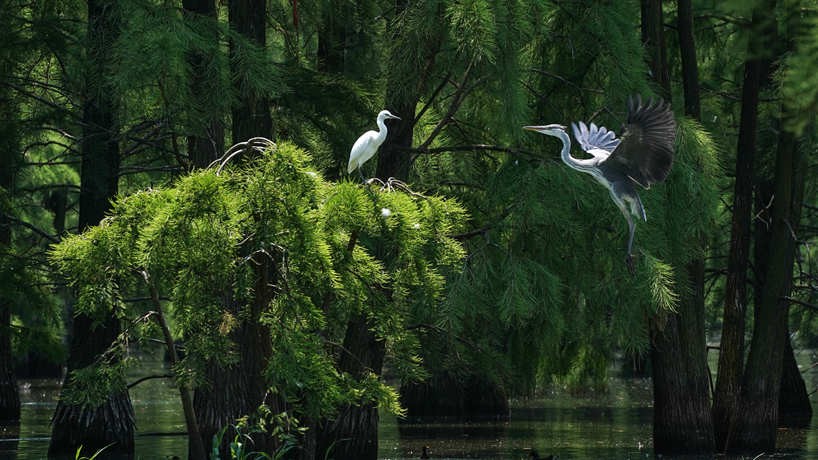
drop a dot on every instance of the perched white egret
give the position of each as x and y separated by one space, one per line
366 145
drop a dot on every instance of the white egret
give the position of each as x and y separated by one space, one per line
366 145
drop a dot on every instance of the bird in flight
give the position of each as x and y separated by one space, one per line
643 155
365 147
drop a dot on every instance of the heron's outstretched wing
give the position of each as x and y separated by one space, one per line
645 153
596 140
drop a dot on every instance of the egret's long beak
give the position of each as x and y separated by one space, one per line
534 128
393 117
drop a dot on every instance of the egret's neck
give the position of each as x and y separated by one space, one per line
381 130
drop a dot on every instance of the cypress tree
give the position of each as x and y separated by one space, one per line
109 420
731 355
10 148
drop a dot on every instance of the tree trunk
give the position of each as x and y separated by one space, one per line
394 160
653 39
92 428
681 408
448 395
731 356
9 395
207 141
235 391
332 38
251 114
353 434
794 408
690 67
112 422
755 428
9 148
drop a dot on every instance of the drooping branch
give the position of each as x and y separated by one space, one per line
194 436
149 377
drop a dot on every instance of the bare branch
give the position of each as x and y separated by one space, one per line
149 377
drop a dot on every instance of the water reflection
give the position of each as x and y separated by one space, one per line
613 425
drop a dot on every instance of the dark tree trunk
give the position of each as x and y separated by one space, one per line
755 428
112 422
9 148
332 38
239 390
448 395
251 114
9 395
393 159
794 408
687 52
731 356
206 143
653 39
92 428
681 407
681 410
353 434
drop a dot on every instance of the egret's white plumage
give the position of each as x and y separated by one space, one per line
365 147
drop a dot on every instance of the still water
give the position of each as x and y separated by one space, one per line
613 425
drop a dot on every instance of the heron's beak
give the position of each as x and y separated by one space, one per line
394 117
544 129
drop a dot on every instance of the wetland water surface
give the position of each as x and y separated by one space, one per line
613 425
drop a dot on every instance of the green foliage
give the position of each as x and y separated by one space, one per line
199 240
78 455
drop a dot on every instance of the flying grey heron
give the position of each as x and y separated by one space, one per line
642 156
365 147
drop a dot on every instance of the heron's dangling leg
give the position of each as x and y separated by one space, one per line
361 172
629 256
623 206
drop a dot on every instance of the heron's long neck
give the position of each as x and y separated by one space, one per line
574 163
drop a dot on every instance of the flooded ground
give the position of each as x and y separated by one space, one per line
613 425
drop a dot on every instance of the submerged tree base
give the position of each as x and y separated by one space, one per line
109 426
449 396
